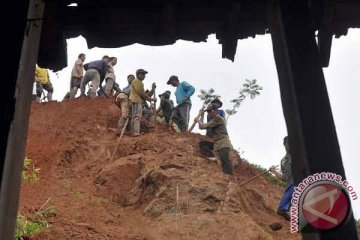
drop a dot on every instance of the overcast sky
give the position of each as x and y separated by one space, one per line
259 126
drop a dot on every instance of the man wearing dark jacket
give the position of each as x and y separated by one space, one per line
165 107
95 73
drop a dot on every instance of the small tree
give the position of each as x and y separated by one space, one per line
250 88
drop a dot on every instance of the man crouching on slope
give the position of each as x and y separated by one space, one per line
221 142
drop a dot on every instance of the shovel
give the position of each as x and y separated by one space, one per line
197 117
119 139
255 177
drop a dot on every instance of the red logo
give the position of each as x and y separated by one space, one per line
325 206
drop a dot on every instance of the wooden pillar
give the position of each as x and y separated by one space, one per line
19 112
313 141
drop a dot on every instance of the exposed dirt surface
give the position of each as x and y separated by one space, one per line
157 186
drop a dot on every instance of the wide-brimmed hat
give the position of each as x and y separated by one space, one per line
218 102
212 106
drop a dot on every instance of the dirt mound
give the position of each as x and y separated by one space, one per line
157 187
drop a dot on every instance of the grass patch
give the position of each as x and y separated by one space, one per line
79 195
30 173
25 227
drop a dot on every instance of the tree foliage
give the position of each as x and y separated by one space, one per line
208 96
250 88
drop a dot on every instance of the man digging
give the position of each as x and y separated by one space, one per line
221 142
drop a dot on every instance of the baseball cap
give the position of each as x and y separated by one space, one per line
173 77
141 71
212 106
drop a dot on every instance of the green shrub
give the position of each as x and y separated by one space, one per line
358 227
30 173
25 228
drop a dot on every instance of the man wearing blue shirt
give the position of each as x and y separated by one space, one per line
183 93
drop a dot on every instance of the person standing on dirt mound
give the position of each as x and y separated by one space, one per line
122 101
77 74
165 108
181 113
42 80
95 72
110 78
285 202
221 143
137 98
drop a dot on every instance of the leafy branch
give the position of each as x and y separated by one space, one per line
250 88
208 96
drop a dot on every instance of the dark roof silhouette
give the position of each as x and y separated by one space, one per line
113 23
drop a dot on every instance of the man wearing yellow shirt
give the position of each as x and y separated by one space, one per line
42 80
137 98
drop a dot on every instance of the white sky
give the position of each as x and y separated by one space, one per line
259 126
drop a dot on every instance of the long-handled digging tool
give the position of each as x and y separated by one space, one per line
119 139
197 117
155 114
249 180
231 185
43 93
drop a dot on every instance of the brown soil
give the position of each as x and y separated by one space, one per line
157 187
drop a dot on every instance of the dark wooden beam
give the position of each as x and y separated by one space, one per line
20 104
325 34
14 42
313 141
169 19
230 32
